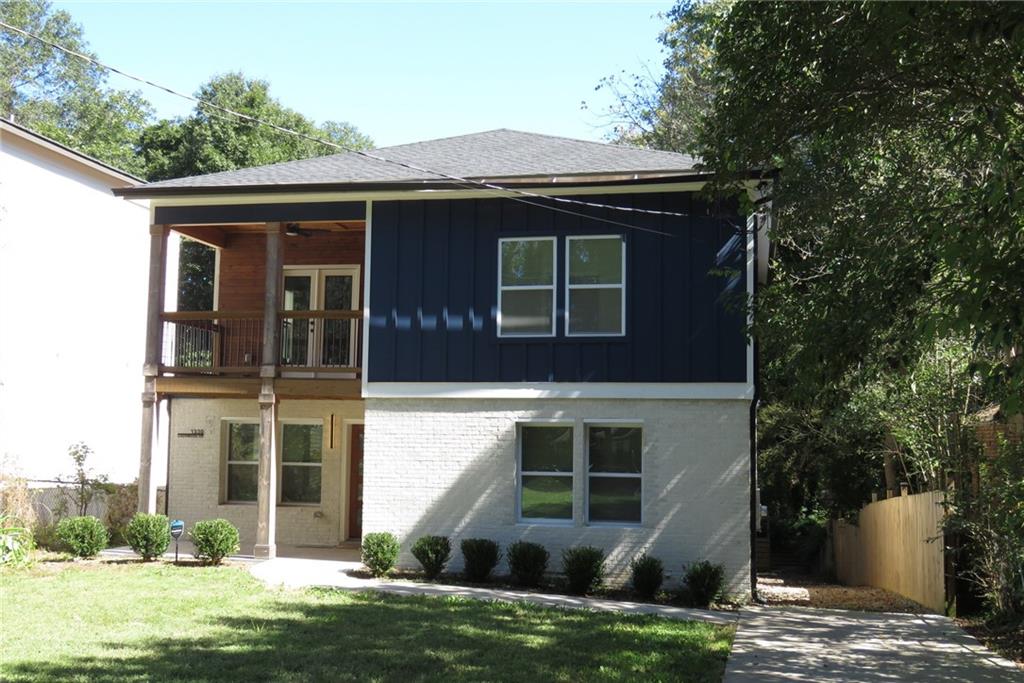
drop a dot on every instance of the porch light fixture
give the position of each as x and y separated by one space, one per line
292 230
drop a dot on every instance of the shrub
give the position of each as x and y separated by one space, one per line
647 575
583 567
16 501
704 583
45 536
82 536
433 553
380 552
15 542
987 521
214 539
122 502
527 562
148 535
481 556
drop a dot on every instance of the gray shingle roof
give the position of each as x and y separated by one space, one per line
501 153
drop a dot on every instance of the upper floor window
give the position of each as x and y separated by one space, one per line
526 287
595 286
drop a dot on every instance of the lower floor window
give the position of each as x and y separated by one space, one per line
545 472
614 474
243 446
301 462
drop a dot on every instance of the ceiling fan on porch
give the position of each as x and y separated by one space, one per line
293 230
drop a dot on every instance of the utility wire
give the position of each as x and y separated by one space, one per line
466 183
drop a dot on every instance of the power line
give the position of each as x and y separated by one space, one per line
466 183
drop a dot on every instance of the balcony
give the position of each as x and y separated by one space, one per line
311 344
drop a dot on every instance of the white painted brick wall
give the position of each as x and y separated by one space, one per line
195 469
447 466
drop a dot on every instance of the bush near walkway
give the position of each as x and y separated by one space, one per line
214 539
148 535
82 536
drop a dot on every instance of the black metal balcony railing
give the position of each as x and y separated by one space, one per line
218 342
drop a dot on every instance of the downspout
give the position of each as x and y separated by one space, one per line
754 502
167 482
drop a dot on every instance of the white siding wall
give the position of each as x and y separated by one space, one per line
449 467
73 273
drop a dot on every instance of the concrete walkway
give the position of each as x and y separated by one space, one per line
297 573
833 646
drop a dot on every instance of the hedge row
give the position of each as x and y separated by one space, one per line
582 566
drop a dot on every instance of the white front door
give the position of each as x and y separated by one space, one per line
316 342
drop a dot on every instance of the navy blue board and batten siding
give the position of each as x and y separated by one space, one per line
433 294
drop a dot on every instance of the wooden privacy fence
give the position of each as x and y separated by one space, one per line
896 545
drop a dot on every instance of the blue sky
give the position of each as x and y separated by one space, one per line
401 72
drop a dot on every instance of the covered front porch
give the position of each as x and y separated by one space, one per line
285 327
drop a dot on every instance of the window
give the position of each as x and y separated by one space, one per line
614 474
545 472
595 286
301 457
243 455
526 287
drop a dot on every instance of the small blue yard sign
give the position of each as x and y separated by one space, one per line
177 529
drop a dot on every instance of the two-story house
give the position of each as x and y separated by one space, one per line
500 335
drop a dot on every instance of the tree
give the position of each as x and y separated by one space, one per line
61 96
897 129
665 112
209 141
84 485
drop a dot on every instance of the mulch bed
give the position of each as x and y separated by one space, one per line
805 591
1006 638
505 583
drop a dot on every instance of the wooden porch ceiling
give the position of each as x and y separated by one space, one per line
220 235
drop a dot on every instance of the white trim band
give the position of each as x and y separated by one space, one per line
722 391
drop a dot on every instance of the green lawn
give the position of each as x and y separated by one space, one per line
115 622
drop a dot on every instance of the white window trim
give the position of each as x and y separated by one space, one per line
520 473
553 286
225 424
281 464
613 424
621 287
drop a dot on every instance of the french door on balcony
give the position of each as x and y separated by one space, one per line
319 342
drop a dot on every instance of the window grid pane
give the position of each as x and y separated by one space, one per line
302 443
243 441
614 499
300 483
595 261
242 478
595 310
527 262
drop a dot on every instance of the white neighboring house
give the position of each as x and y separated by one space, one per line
72 307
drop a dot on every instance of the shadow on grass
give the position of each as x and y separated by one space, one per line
340 636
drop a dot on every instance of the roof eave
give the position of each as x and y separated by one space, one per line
577 180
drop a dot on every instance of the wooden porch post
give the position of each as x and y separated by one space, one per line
151 364
266 496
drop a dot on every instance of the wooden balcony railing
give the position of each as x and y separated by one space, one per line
222 342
